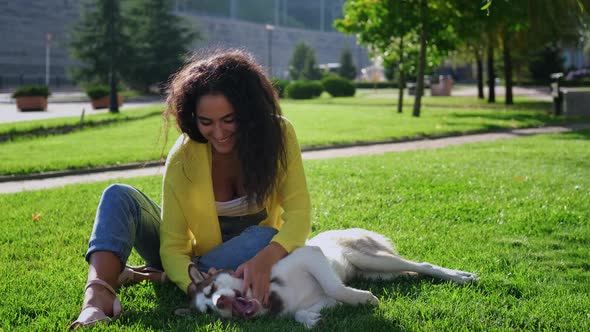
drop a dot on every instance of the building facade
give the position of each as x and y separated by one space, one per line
34 34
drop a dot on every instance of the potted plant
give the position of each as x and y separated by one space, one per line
100 96
31 97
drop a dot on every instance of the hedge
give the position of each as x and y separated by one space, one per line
32 90
280 85
304 89
375 85
338 86
97 91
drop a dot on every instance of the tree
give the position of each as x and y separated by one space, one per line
544 62
302 65
385 24
525 25
470 27
160 41
347 68
145 43
382 25
310 71
93 45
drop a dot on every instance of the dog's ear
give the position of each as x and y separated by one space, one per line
194 273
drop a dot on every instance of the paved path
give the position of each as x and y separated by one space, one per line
60 105
538 93
17 186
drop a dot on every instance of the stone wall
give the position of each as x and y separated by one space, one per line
281 41
24 25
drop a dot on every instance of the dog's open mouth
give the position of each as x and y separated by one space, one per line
244 307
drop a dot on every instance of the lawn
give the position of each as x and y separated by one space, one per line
515 212
319 123
22 129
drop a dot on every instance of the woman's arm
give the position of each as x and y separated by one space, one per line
175 239
294 199
256 271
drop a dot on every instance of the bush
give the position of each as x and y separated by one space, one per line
97 91
376 85
32 90
280 85
347 69
304 89
338 86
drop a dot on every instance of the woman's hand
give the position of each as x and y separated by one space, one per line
256 271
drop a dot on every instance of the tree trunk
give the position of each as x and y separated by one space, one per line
479 74
491 75
402 79
507 68
422 62
112 24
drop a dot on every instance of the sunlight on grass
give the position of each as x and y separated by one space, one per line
137 136
514 211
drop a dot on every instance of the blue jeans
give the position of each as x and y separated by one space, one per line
126 218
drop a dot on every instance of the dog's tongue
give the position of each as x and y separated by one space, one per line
243 307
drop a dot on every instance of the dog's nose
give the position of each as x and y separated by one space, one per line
224 302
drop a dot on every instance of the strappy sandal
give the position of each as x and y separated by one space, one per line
130 275
91 315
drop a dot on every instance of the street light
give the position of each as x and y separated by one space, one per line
269 28
48 40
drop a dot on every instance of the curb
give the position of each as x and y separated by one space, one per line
80 171
153 163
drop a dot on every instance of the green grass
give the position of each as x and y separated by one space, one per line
515 211
319 123
24 128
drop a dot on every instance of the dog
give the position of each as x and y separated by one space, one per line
312 278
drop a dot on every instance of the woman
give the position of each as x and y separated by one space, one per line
234 190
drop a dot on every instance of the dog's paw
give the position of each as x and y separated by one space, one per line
308 318
368 298
373 300
462 277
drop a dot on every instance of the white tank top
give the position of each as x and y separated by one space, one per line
235 208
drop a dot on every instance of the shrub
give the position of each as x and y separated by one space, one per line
280 85
302 65
97 91
338 86
376 85
347 68
304 89
32 90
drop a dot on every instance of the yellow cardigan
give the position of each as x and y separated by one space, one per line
190 225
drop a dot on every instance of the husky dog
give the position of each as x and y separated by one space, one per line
311 278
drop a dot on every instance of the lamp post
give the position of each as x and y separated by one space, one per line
269 28
48 39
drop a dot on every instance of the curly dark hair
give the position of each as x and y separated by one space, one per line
236 75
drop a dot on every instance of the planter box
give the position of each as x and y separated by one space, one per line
31 103
104 102
576 102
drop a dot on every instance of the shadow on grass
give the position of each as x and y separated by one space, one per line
41 131
575 135
539 116
168 298
527 105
